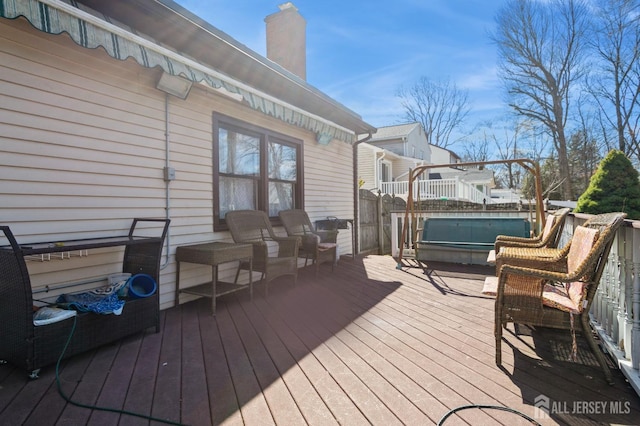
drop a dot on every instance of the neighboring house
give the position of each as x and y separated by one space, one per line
390 153
91 136
384 162
406 140
441 155
378 167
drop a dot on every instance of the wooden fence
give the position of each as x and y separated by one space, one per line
375 221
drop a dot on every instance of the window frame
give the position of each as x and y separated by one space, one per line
265 136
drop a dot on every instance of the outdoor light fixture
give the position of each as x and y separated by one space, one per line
174 85
324 138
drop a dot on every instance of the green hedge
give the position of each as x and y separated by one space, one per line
613 188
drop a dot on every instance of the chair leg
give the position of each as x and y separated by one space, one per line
586 330
237 275
334 259
498 345
266 284
497 330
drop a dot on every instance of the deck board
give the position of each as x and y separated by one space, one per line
195 404
366 344
143 379
322 396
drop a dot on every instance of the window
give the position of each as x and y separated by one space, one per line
254 169
384 172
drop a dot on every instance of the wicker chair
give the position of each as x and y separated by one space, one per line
542 297
273 256
547 257
550 236
318 245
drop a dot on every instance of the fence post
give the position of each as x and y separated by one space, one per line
625 317
635 328
380 225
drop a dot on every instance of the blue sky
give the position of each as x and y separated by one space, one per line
360 52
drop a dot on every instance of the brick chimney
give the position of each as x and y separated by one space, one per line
286 39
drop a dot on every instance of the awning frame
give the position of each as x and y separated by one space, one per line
91 29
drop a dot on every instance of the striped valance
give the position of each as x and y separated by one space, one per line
92 29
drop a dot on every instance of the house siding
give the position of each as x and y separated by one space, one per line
401 168
367 165
397 146
417 145
83 150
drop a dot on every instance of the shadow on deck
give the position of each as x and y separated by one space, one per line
366 344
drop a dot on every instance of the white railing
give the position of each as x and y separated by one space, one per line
615 312
451 189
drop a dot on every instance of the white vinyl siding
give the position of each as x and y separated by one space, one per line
367 165
82 142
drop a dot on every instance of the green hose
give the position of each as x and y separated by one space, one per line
493 407
93 407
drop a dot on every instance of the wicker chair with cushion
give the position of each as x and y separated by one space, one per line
318 245
548 257
549 238
273 256
540 297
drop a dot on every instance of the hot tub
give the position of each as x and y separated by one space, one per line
466 239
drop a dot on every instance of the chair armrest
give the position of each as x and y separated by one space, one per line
309 242
521 242
544 253
533 258
260 249
517 239
287 246
534 273
327 236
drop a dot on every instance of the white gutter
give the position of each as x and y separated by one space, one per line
378 165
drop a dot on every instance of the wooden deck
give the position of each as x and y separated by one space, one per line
366 344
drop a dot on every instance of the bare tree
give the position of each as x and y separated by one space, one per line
540 46
511 147
585 148
476 150
508 138
616 85
438 105
551 180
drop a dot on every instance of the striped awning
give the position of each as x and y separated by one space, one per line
91 29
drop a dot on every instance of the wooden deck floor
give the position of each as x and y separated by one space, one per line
366 344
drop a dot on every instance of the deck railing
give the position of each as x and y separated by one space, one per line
451 189
615 313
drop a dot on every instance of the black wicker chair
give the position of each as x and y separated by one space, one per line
318 245
273 256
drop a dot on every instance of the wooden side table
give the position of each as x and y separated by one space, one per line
213 254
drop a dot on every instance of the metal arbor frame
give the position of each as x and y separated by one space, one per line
531 166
